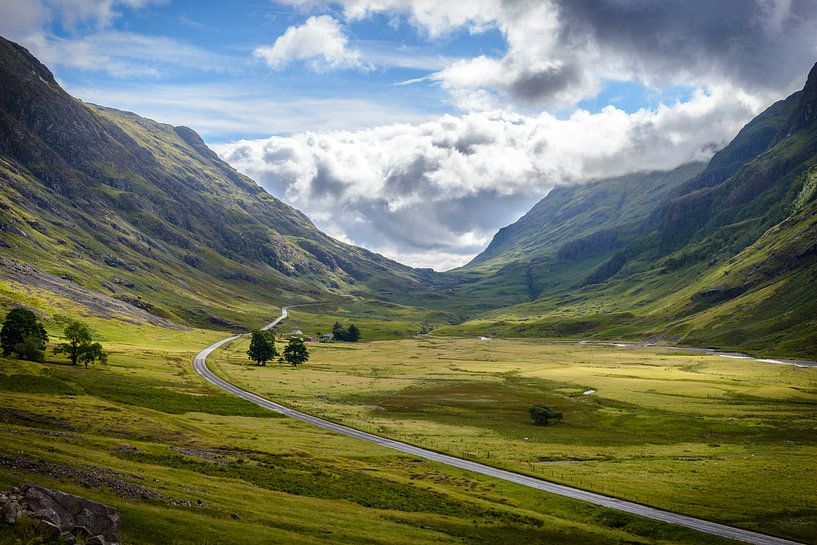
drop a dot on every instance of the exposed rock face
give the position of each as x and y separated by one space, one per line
62 513
806 112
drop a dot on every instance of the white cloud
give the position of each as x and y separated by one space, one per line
23 17
320 41
216 110
559 52
432 194
125 54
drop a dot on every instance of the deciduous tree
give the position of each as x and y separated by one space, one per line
80 346
262 347
21 329
295 352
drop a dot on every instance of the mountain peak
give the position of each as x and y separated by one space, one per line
806 112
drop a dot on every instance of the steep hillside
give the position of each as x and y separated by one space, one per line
142 217
564 237
728 258
581 220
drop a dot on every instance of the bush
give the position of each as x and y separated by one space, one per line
542 415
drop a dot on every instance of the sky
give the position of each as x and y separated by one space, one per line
418 128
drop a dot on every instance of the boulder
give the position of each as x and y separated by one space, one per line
10 511
96 540
67 512
48 531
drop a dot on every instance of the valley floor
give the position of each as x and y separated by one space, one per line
692 433
186 463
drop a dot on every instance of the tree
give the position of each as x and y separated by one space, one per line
22 329
91 353
262 347
80 346
542 415
31 348
295 352
338 332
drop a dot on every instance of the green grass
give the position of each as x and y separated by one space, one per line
694 434
149 420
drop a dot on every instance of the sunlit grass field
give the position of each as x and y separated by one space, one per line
148 421
724 439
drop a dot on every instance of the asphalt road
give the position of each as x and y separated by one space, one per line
713 528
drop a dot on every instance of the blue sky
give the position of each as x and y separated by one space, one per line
216 45
418 128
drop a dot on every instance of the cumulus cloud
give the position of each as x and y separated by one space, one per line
320 41
560 52
433 194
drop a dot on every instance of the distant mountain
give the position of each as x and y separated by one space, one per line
725 256
100 201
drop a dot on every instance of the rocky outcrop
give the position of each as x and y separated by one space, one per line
61 514
806 112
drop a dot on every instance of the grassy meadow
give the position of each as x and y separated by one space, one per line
186 463
697 434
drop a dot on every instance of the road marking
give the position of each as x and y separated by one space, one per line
701 525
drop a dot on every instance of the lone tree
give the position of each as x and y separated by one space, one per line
262 347
295 352
542 415
354 334
80 346
23 335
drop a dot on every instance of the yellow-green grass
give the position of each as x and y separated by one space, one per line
724 439
289 482
399 323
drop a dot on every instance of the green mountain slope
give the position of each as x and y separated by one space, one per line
563 237
142 217
727 258
603 214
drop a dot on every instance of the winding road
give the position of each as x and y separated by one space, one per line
713 528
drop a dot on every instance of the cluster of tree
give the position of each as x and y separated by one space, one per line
340 333
542 415
24 337
262 349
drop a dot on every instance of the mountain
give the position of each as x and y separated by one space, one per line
585 219
725 257
141 218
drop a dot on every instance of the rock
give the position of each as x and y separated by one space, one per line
96 540
81 532
67 512
235 516
11 511
48 531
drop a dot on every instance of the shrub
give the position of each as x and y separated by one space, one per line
542 415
